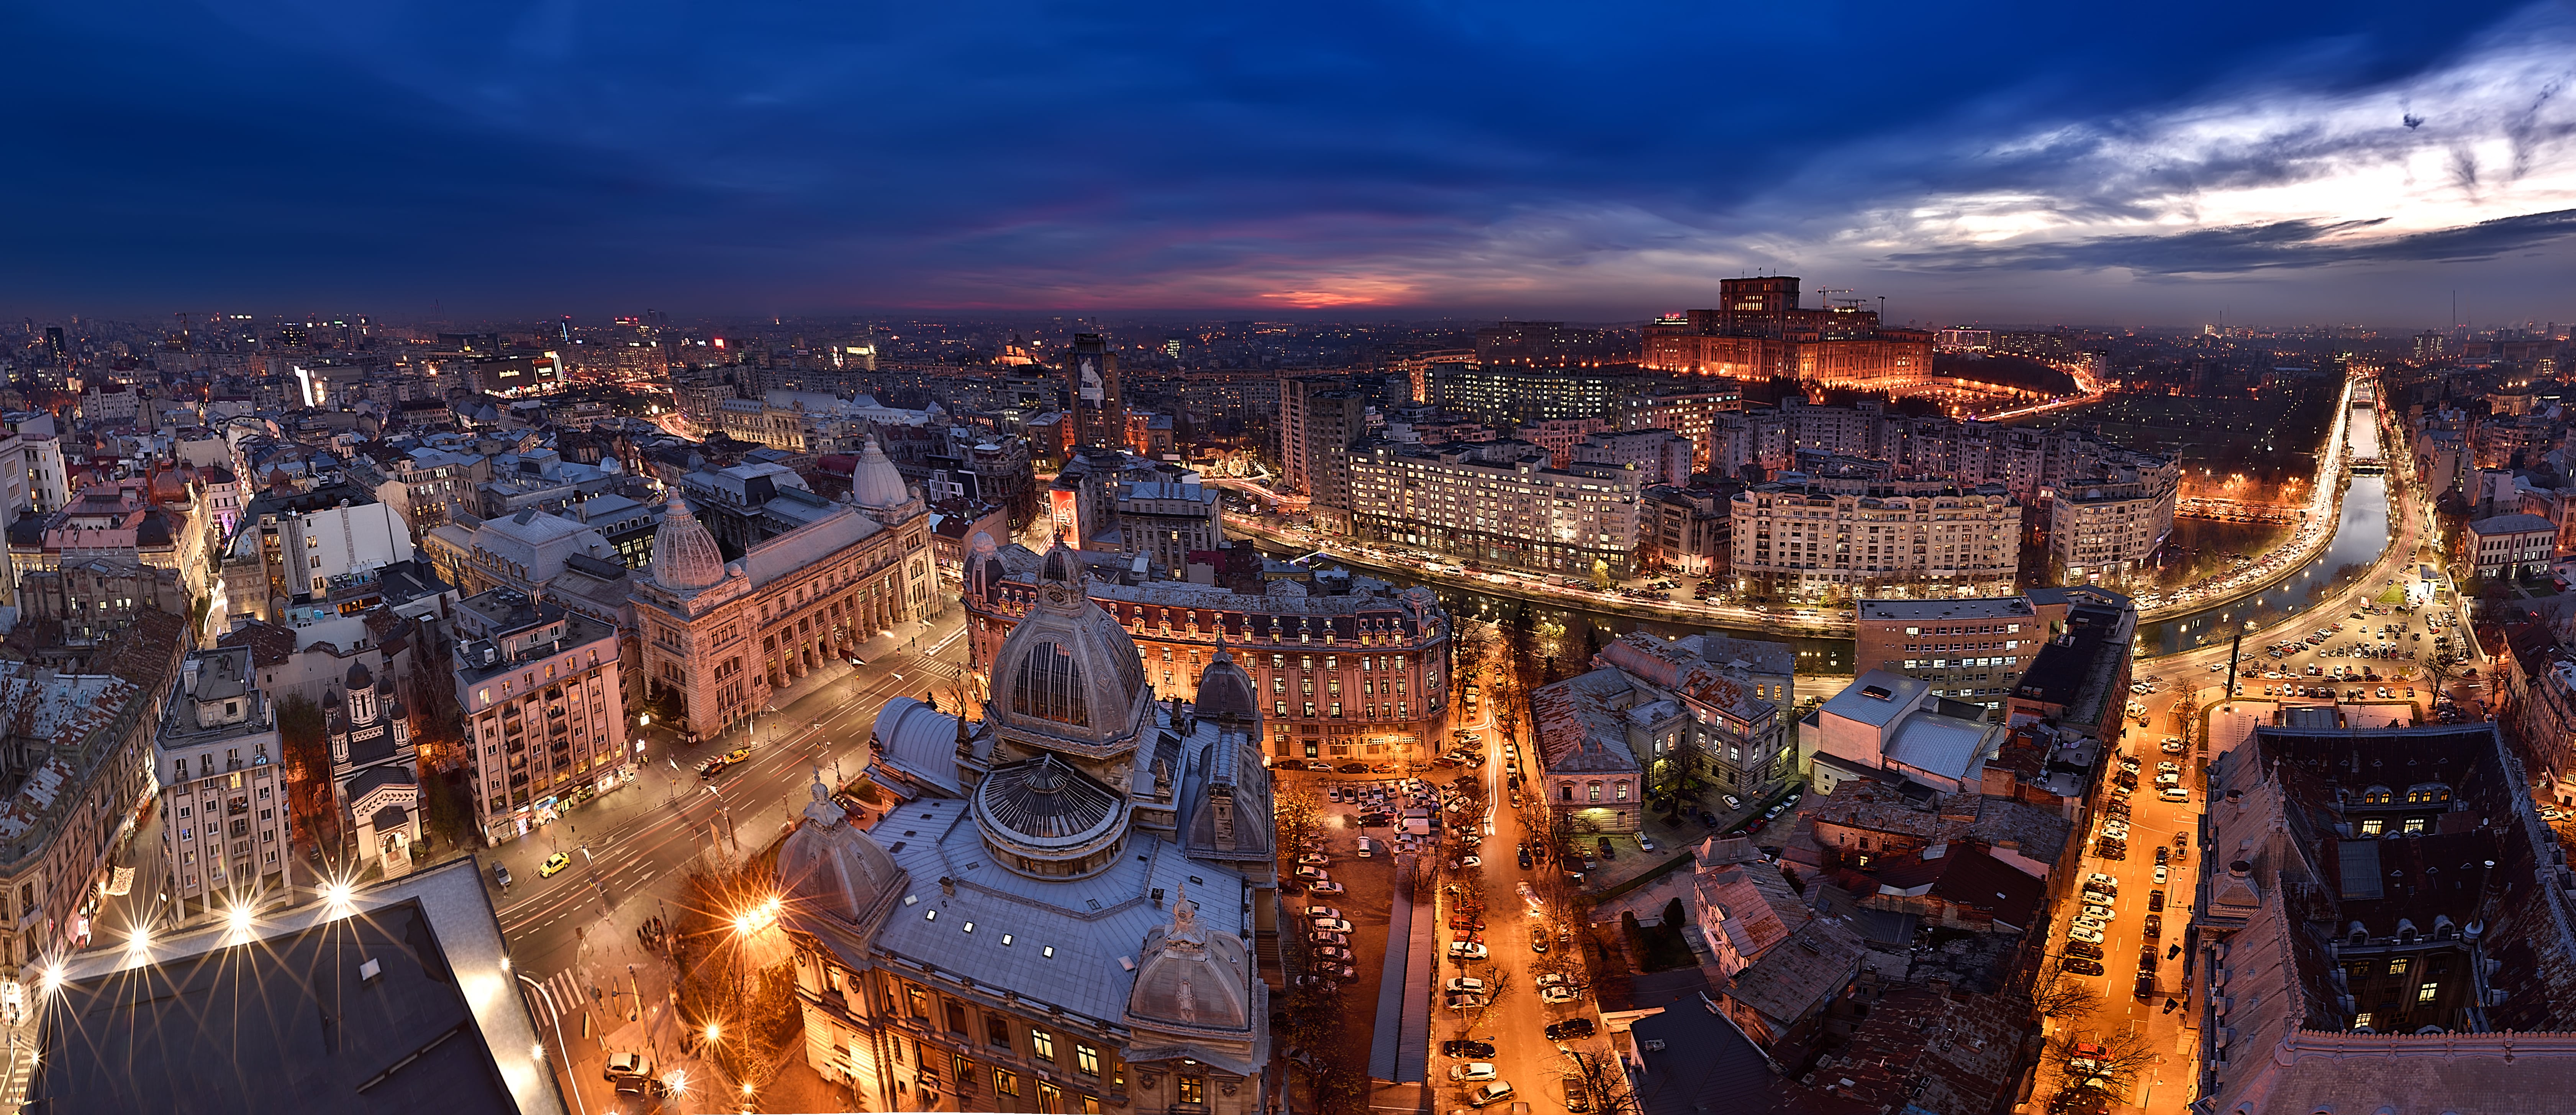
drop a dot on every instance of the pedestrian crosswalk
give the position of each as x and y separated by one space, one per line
557 998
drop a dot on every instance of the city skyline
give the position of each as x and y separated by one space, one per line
2215 166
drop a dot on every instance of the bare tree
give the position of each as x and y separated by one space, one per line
1567 965
2060 995
2113 1066
1497 985
1299 816
1603 1081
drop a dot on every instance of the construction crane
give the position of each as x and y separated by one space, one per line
1821 292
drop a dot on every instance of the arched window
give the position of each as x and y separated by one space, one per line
2377 795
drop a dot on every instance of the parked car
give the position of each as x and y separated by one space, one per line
1323 912
1319 764
2155 926
2082 967
1332 925
1570 1028
1558 995
2160 874
1473 1071
2099 913
1312 874
1467 984
627 1065
1326 888
2155 900
2087 936
501 875
2079 948
1487 1095
1466 1047
1467 950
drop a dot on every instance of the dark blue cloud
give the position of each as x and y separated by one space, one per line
585 155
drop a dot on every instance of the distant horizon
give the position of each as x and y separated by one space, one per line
1159 318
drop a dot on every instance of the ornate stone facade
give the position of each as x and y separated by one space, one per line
1349 673
1066 911
724 634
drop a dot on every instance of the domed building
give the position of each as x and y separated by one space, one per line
757 582
1083 879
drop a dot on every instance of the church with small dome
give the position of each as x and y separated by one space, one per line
372 776
757 581
1068 905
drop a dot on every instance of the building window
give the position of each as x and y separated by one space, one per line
1050 1099
997 1031
1086 1060
1623 791
2426 993
1006 1083
1595 790
1194 1088
1041 1044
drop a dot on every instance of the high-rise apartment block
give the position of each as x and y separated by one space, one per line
1866 538
538 687
1656 456
1499 502
1166 521
1091 372
1319 418
226 832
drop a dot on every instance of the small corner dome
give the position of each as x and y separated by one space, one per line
1192 977
1226 692
829 866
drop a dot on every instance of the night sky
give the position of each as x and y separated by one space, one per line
2091 163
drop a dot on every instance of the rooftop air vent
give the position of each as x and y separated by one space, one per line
368 971
1876 692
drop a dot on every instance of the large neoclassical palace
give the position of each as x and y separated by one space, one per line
1067 908
815 579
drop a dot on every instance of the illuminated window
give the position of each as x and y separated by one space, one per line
2426 993
1041 1044
1086 1060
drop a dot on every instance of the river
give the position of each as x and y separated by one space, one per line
2360 535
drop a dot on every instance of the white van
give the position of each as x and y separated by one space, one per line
1368 847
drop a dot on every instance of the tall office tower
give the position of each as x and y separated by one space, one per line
54 344
1099 418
